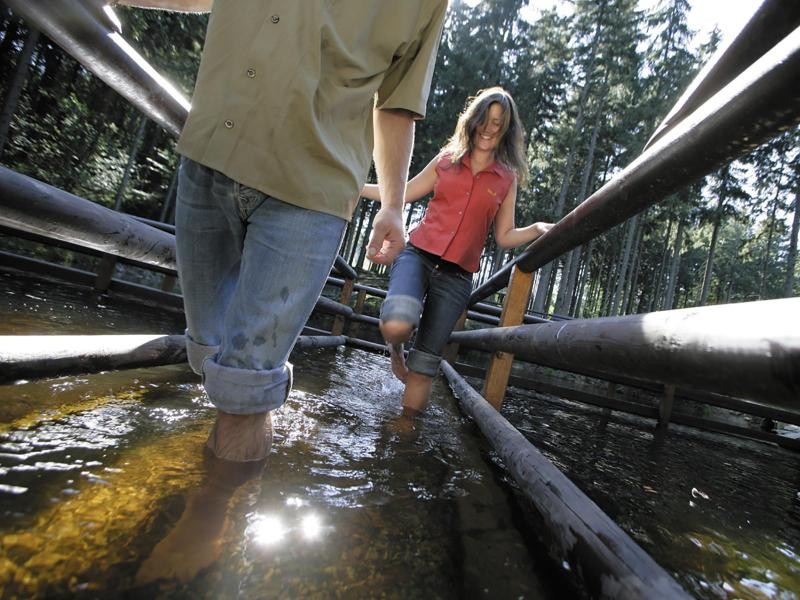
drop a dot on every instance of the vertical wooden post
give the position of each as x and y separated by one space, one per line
361 298
340 321
168 283
665 406
105 272
516 301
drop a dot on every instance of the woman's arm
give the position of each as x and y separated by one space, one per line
505 233
418 186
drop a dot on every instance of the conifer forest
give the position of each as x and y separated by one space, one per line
592 83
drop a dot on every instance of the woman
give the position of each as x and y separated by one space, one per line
474 181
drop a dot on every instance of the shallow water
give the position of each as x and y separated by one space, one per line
721 514
96 470
352 503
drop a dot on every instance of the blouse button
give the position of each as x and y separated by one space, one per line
251 72
229 123
275 18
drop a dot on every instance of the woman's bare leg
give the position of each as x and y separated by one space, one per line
418 390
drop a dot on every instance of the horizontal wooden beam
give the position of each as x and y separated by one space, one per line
578 534
36 356
36 207
748 350
84 32
32 356
759 104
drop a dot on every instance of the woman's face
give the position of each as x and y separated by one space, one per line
487 135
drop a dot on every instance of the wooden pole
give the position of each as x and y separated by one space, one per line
30 356
747 350
33 356
577 533
665 406
344 298
514 306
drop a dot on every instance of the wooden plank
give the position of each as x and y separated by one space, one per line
344 298
514 307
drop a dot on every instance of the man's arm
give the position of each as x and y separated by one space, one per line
394 140
178 5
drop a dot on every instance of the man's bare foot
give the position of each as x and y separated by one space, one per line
196 540
241 438
399 367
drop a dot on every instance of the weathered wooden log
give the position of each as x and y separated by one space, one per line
578 534
34 356
75 27
34 206
31 356
327 305
759 104
306 342
748 350
771 22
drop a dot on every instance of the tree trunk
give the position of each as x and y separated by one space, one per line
657 288
167 211
137 142
546 273
791 256
353 230
711 250
17 84
623 268
579 295
762 284
362 249
669 298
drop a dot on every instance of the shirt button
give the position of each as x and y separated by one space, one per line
275 18
251 72
229 124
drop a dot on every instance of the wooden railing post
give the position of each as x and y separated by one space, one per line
516 301
105 272
340 321
665 406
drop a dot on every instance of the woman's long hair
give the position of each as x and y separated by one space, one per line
510 151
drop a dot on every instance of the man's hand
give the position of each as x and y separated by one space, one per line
388 238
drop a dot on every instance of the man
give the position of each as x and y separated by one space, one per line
276 148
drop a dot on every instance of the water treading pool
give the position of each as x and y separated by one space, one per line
104 489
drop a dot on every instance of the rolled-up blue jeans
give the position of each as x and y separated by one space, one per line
251 269
423 283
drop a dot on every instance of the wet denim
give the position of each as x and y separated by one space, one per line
422 283
251 269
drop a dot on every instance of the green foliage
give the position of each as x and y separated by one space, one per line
592 83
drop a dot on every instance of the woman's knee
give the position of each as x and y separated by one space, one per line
395 331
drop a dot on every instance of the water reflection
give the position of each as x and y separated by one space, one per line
715 510
352 501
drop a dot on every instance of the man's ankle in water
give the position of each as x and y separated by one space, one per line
241 438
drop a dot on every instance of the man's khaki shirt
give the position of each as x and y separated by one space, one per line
284 96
